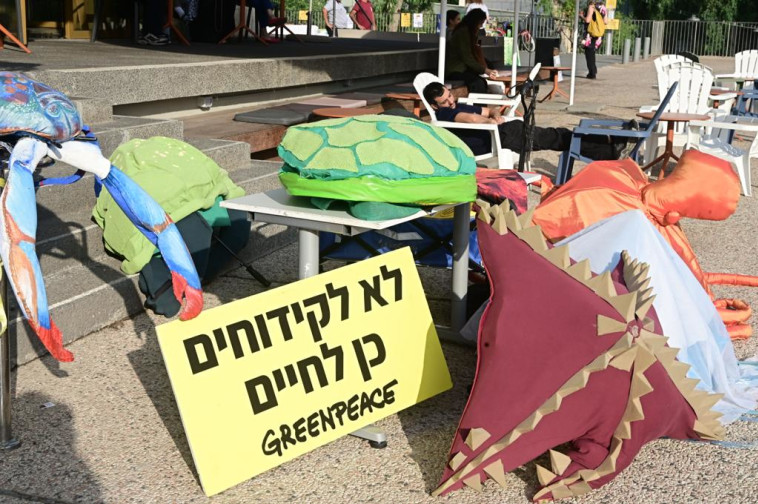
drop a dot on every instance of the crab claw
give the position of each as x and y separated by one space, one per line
193 298
158 227
53 341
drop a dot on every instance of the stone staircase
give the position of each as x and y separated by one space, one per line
86 289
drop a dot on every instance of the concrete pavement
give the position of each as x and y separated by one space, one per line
113 433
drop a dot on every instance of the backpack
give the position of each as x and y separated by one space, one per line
596 27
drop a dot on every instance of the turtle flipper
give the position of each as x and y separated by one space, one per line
18 230
146 214
158 227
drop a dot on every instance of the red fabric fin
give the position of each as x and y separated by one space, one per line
190 298
53 341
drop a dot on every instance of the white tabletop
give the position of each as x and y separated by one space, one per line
278 206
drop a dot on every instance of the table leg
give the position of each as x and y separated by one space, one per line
7 441
308 253
308 259
461 223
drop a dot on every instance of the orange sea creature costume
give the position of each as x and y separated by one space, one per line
701 187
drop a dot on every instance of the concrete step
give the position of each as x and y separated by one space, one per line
229 155
94 110
85 287
121 129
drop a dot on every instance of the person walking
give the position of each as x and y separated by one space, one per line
362 15
595 19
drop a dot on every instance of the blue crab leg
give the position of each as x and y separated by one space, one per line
18 231
146 215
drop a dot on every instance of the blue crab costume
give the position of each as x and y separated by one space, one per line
38 121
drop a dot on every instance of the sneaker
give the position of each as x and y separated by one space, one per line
590 76
633 125
154 40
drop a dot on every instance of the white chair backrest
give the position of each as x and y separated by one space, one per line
695 82
419 83
746 63
663 61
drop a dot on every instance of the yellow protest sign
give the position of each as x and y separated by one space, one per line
610 4
613 24
405 19
262 380
302 15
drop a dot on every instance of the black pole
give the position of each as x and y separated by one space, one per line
7 442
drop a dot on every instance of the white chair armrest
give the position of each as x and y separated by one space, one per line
471 126
724 125
723 97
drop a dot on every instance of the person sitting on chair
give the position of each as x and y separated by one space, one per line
511 132
465 59
264 17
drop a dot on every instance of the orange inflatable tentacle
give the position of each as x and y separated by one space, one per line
739 332
731 279
733 311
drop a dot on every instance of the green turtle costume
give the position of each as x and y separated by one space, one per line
384 166
178 176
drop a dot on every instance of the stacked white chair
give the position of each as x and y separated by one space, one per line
745 69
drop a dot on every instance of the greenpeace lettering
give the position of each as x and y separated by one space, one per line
276 442
267 378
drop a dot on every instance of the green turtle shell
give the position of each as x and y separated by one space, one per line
378 158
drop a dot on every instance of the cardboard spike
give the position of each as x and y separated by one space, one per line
588 474
623 343
625 305
559 256
623 430
603 285
580 488
474 482
648 324
704 430
533 237
512 221
640 285
525 219
496 471
545 475
483 216
499 224
608 325
581 270
640 384
551 404
505 206
476 437
652 341
678 370
456 461
707 402
483 204
561 492
559 461
687 385
644 307
645 359
530 423
633 412
624 361
540 494
667 355
576 382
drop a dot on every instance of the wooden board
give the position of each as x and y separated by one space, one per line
221 125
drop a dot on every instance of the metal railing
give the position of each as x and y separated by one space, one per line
703 38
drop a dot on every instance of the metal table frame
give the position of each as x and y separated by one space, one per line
278 207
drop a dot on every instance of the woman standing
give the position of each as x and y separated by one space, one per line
465 60
591 41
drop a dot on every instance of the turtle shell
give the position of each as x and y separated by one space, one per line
377 158
33 107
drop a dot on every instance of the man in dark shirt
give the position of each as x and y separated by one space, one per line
511 132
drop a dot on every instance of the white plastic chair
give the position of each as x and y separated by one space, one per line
712 137
693 96
745 68
506 158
